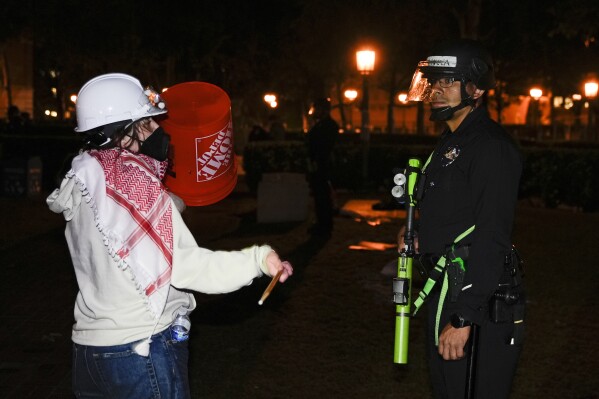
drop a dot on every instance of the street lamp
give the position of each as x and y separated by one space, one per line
350 95
536 94
365 63
590 92
271 100
403 100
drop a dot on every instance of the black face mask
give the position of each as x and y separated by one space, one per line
445 113
156 146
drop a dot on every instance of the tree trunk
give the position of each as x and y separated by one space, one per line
469 20
6 75
391 105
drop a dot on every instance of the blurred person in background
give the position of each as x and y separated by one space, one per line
321 141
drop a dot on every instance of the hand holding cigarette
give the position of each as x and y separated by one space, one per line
279 270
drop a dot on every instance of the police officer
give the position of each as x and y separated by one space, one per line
471 180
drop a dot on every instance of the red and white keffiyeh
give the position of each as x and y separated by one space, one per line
133 212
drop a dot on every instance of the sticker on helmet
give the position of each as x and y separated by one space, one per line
154 98
442 61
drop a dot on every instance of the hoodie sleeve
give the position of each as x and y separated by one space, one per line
66 199
213 272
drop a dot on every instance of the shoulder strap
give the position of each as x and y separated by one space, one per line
435 274
428 160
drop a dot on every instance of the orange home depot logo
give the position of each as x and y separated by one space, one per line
214 160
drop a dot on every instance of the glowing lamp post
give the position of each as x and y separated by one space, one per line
271 100
350 95
590 92
365 63
536 94
403 100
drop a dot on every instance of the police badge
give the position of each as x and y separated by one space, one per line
450 155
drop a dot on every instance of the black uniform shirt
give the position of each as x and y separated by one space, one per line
472 179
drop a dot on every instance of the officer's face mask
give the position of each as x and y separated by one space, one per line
156 146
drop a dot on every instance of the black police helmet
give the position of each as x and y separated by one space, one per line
472 63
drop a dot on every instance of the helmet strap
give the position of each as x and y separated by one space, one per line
445 113
466 98
101 137
97 139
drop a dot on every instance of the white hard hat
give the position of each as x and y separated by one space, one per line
115 97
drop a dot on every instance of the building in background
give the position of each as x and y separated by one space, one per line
16 72
548 117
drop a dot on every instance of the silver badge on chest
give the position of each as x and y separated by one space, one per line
451 155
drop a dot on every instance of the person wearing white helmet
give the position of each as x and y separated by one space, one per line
134 257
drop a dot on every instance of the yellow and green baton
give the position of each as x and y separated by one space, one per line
402 284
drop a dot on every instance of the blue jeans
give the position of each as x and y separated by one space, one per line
118 372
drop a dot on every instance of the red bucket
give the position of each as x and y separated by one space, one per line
204 169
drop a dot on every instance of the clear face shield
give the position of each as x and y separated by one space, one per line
436 69
420 89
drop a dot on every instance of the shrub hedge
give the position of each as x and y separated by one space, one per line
562 176
556 175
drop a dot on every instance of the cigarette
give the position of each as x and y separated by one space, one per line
268 289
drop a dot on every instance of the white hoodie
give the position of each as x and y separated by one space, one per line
109 310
